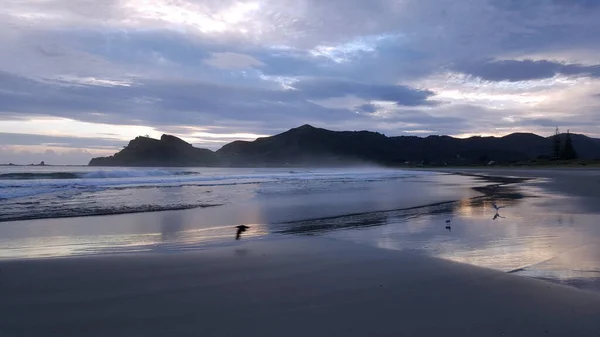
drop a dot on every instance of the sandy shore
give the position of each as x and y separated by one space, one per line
582 183
286 287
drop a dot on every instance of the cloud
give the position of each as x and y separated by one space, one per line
367 108
50 155
62 141
177 102
233 61
400 94
261 66
526 70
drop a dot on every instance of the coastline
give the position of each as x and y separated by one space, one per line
322 283
183 229
584 185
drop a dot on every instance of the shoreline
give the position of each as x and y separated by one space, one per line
299 285
585 185
482 188
498 180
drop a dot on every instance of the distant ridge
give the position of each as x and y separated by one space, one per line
310 146
168 151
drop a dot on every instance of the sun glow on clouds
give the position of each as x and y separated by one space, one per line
196 15
345 52
200 135
463 89
494 100
95 81
73 128
68 127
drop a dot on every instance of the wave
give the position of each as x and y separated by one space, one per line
114 174
32 176
134 174
82 212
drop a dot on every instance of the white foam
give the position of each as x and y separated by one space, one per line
103 179
129 174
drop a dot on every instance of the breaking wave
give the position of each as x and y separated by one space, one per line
92 175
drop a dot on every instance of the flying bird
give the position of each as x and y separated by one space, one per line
496 207
240 230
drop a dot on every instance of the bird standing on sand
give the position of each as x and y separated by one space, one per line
448 227
240 230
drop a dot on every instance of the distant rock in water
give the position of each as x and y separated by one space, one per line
311 146
169 151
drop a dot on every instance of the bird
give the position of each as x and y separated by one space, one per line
498 216
448 227
240 230
496 207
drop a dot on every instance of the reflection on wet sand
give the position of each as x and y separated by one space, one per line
509 227
171 225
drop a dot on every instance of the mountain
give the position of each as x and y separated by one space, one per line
311 146
168 151
307 145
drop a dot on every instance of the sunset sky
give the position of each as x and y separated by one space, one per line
79 78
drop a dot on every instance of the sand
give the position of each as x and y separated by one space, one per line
283 287
581 183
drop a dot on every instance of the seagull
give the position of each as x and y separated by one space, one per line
240 230
448 227
496 207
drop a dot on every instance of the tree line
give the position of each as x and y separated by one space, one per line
563 150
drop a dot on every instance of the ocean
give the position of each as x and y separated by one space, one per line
80 210
30 192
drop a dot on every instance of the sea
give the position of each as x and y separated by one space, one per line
54 211
34 192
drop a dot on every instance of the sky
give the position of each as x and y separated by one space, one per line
80 78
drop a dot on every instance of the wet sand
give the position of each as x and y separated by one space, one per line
285 287
581 183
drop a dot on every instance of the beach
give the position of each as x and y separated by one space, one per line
288 287
532 271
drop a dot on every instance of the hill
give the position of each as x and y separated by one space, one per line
311 146
168 151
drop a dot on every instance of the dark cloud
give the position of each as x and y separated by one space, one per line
177 102
555 5
415 121
554 122
367 108
515 70
328 88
